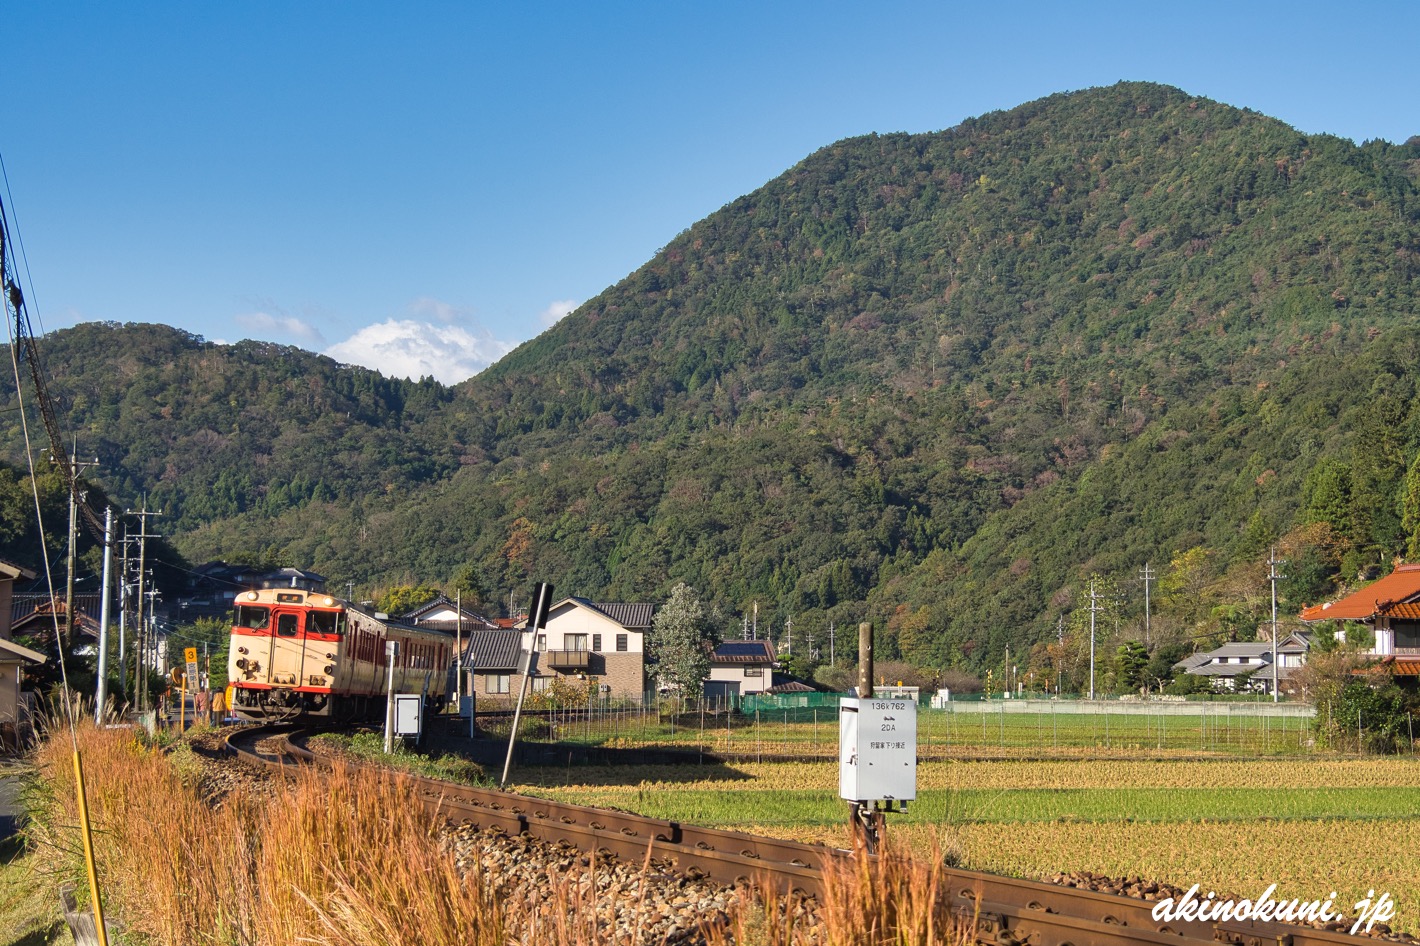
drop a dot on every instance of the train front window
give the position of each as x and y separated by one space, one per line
287 625
324 622
258 619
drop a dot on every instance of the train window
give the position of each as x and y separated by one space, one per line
288 625
254 618
323 622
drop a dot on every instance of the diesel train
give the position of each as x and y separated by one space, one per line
306 656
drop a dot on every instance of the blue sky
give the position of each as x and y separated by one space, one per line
417 187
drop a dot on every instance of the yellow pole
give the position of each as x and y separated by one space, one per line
182 706
88 834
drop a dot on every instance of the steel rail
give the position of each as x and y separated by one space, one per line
1005 911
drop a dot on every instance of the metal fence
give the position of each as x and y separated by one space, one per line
806 726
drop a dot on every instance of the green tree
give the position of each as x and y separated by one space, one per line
1131 660
468 583
1410 510
682 637
401 599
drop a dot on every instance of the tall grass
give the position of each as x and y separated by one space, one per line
351 858
335 859
894 899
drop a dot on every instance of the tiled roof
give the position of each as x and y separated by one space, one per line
1409 667
631 616
1242 649
494 650
1400 586
1405 610
793 686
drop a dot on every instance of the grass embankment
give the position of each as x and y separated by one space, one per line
346 857
1309 826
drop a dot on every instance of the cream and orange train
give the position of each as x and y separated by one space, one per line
303 655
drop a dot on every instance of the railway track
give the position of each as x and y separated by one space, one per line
1003 911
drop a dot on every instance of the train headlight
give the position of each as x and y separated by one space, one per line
252 596
241 650
330 602
330 670
242 663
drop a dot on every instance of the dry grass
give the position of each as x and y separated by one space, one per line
896 899
350 859
335 860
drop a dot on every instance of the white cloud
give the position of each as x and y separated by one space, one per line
412 349
555 311
264 323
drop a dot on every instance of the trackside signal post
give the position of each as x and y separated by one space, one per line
877 751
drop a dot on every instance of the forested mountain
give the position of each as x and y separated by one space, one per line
933 379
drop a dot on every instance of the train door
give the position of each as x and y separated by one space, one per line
288 649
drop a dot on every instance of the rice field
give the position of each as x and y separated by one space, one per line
1311 826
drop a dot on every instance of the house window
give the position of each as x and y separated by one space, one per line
754 671
596 643
541 643
577 642
1407 633
621 644
540 683
496 683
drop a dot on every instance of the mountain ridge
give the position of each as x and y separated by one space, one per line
865 389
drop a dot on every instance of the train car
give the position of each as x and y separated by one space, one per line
304 655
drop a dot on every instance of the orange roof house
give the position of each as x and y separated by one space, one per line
1400 588
1391 606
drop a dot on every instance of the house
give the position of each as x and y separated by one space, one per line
34 616
492 660
585 640
14 719
1247 665
1390 608
739 668
448 616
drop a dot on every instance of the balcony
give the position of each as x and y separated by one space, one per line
569 659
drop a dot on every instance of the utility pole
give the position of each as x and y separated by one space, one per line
101 693
832 657
1060 639
789 632
458 648
75 498
744 627
123 617
142 630
1272 562
1146 575
1094 607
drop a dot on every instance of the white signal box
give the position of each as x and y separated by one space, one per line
877 750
